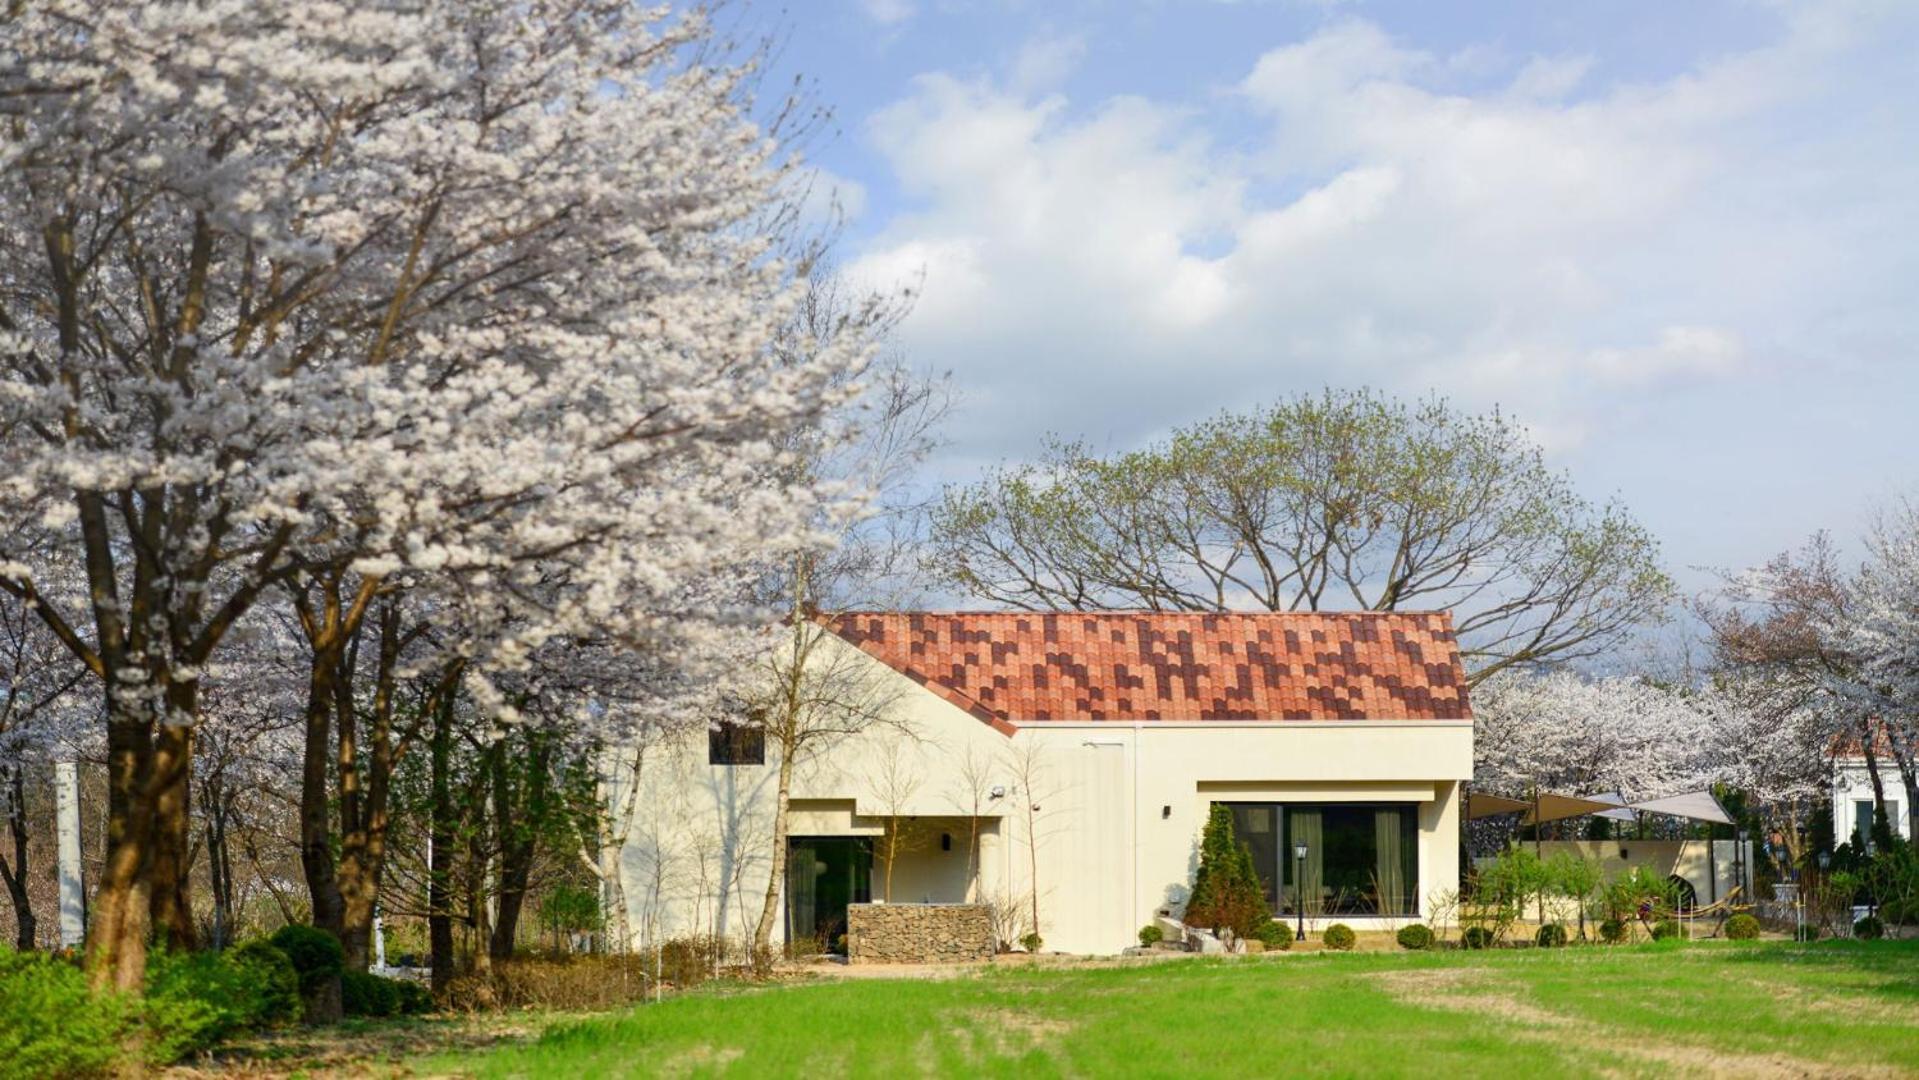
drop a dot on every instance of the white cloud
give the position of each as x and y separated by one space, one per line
1044 62
887 12
1680 352
1547 243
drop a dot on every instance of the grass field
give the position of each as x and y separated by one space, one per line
1771 1009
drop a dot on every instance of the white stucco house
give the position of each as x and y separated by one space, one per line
1075 757
1852 800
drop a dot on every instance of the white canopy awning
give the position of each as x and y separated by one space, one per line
1697 805
1481 805
1624 813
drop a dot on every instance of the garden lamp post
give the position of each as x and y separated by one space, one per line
1825 864
1739 857
1299 886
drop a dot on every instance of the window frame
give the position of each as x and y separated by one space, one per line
1281 884
736 744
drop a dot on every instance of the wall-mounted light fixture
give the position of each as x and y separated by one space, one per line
1165 812
996 792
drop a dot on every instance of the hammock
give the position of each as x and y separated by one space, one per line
1722 909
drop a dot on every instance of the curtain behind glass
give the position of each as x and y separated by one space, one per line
1304 826
1389 882
1256 826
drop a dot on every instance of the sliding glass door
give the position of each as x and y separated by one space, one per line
1361 858
823 875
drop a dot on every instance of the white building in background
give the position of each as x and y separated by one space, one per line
1106 739
1852 802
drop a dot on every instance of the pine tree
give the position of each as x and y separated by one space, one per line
1226 891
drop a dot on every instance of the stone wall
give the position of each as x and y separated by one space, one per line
918 933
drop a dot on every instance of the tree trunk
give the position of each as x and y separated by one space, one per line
1872 768
16 875
477 858
215 809
117 936
518 834
776 873
363 832
440 849
172 910
316 848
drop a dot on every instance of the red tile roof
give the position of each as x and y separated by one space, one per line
1012 668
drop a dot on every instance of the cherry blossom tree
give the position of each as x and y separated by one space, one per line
461 296
1882 632
1564 732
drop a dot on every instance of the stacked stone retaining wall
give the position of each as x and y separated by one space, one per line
918 933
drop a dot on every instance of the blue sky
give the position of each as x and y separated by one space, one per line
1678 241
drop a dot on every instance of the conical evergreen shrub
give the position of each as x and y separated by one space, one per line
1226 892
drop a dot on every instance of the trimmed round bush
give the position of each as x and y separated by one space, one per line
1274 934
1808 932
1476 937
1339 937
315 954
1415 936
364 994
1032 942
1151 935
1613 931
1742 927
1665 930
1550 936
1869 929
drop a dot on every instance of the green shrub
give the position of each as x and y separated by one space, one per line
1415 936
1665 930
1032 942
1808 932
50 1025
1869 929
415 998
364 994
276 982
1614 931
1338 936
315 954
1274 934
1151 935
1476 937
195 1001
1742 927
1550 936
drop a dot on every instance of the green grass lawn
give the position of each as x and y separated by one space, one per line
1779 1009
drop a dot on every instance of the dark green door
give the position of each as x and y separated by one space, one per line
823 875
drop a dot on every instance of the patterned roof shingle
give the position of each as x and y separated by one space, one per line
1010 668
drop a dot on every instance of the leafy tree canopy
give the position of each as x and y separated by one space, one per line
1341 500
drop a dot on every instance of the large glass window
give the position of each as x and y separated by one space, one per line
1361 858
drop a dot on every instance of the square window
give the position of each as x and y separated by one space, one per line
729 743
